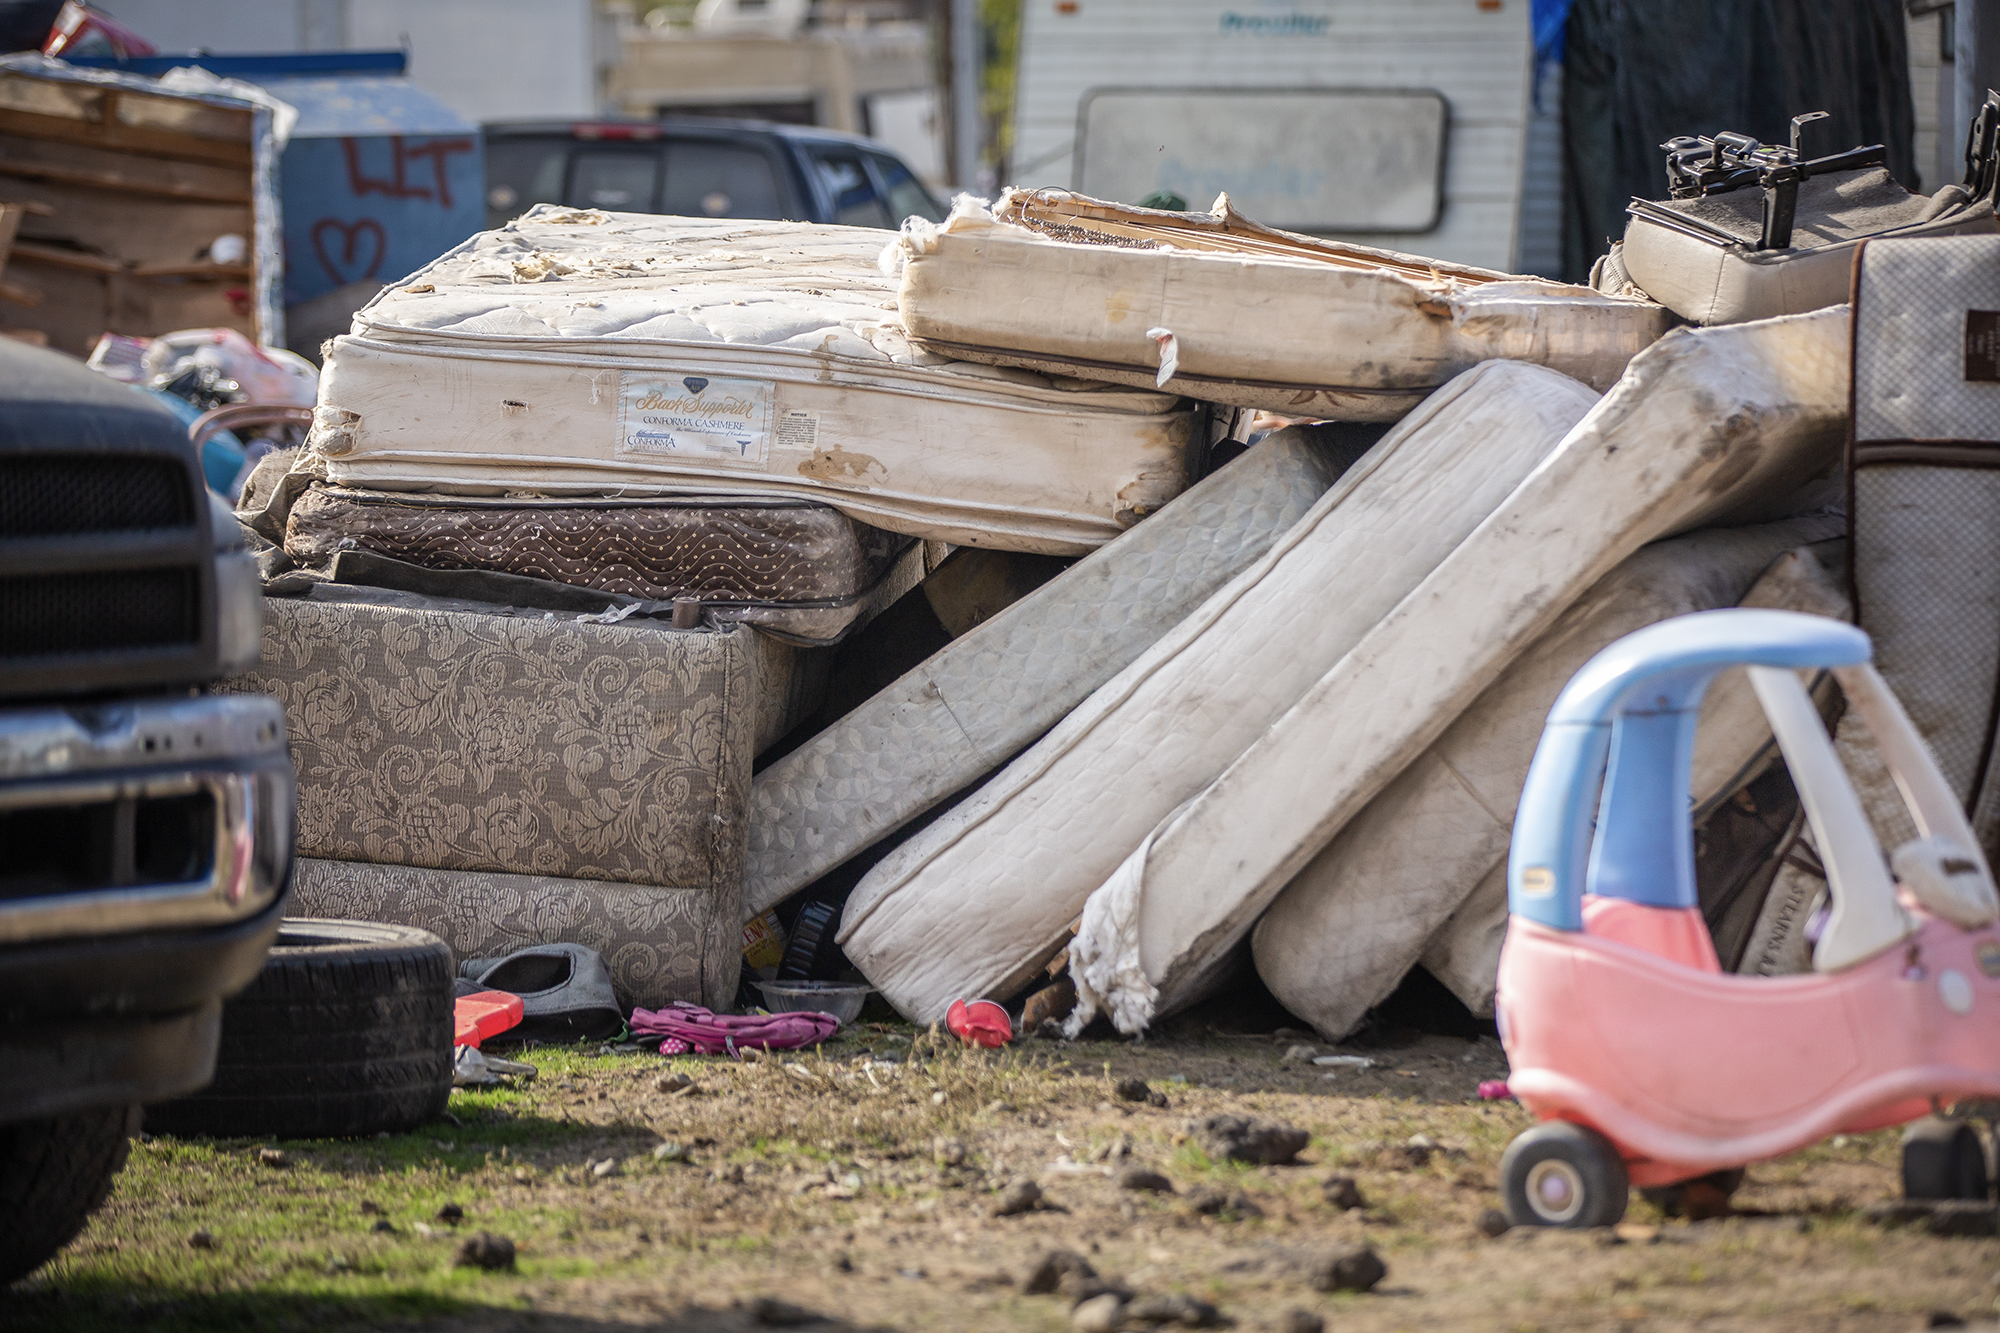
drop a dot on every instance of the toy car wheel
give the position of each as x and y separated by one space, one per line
1563 1175
1702 1197
1943 1159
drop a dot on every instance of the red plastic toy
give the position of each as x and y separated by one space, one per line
483 1014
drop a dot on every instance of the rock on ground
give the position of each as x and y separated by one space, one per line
1243 1138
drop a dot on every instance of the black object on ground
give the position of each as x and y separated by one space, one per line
53 1173
345 1032
1243 1138
485 1250
1349 1268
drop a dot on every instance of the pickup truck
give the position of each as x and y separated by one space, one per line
697 167
146 824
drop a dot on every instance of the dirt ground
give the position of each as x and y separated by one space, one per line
859 1183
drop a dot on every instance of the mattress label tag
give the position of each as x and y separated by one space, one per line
694 416
798 430
1982 346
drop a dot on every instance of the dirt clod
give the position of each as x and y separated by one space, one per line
1054 1267
948 1152
672 1083
1139 1178
1099 1314
451 1213
275 1158
1242 1138
1173 1308
1211 1201
1343 1193
383 1227
1493 1224
1348 1268
669 1151
771 1313
370 1208
1299 1321
1023 1196
1134 1090
485 1250
202 1239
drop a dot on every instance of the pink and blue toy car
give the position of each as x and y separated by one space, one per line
1642 1060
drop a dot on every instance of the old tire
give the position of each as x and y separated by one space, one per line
346 1032
1943 1159
1563 1175
53 1175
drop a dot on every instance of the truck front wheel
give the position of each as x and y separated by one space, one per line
53 1175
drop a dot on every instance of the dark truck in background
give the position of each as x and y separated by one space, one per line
146 824
696 167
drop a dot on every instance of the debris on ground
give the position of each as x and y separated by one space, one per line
1243 1138
485 1250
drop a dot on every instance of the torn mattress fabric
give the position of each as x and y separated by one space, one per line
1708 425
979 899
1341 935
981 699
1219 308
587 353
1731 739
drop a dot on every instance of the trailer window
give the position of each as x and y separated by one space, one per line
855 203
627 180
720 180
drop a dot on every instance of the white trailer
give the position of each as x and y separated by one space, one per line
1398 123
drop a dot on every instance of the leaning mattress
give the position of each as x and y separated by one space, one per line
1225 310
1732 740
990 693
789 566
1342 934
580 352
1708 425
975 902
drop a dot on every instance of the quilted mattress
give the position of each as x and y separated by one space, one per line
980 898
1708 425
1217 307
790 566
1926 496
587 353
662 944
1341 935
990 693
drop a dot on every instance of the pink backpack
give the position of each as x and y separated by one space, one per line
689 1027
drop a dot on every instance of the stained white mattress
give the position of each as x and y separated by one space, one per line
580 352
978 701
1341 935
1707 425
1057 282
975 902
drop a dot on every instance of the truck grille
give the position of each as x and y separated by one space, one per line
65 615
51 495
94 845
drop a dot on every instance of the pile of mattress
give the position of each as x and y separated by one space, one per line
587 353
1215 306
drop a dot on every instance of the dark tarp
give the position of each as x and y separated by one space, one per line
1638 72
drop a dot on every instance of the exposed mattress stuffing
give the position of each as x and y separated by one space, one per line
588 353
1222 309
787 565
